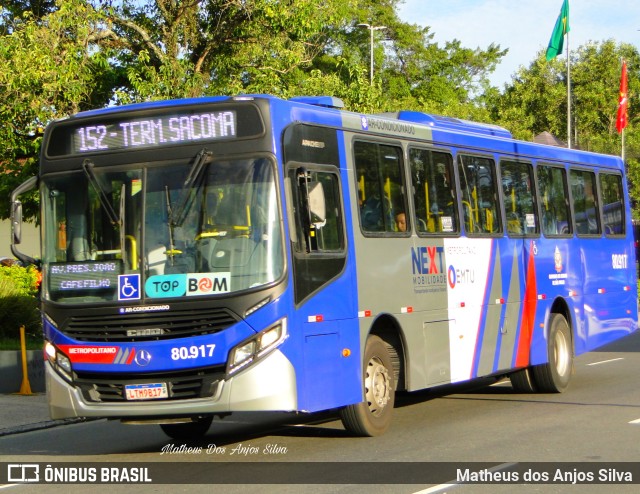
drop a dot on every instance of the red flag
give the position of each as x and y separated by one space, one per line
623 102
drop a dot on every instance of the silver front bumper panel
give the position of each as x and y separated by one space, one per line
268 385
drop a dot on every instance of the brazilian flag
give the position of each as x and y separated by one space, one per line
561 28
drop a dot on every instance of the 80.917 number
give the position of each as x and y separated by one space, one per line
193 351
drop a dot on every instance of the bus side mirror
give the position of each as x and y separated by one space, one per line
16 222
16 219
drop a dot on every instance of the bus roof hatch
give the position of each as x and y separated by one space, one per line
326 101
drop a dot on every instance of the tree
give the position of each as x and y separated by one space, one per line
47 71
57 58
536 100
190 48
412 71
13 10
595 87
287 48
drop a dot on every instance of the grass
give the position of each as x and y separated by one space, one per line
32 342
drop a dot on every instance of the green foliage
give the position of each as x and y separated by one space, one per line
182 49
60 57
19 280
57 58
47 71
536 101
525 106
18 303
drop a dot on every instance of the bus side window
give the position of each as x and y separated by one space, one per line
433 191
380 187
552 184
519 198
479 195
584 197
612 204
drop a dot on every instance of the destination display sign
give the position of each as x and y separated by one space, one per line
83 276
157 131
131 131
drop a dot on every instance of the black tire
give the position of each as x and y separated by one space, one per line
522 381
372 417
188 430
554 376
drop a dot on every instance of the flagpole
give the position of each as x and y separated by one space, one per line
560 30
568 96
622 155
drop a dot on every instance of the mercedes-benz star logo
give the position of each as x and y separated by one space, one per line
143 358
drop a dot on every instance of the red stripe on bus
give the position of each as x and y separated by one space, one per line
528 315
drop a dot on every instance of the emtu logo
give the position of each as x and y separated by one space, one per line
451 277
458 276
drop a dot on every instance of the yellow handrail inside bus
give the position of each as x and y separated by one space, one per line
469 216
431 221
474 195
426 198
489 215
473 212
220 232
134 251
387 189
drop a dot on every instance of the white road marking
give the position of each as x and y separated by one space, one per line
438 488
606 361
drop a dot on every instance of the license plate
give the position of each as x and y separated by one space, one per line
151 391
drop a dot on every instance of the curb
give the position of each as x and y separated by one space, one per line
19 429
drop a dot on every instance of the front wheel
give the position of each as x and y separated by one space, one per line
188 430
372 417
554 376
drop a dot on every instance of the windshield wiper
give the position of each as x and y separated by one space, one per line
178 215
87 166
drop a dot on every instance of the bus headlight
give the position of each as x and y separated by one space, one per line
58 360
249 350
64 362
50 350
242 355
269 337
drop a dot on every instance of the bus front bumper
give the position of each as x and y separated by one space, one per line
268 385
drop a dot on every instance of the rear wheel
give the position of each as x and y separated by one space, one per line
372 417
554 376
522 381
188 430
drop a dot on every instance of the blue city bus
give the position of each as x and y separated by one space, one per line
215 255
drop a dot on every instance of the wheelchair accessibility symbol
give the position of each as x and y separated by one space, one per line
128 287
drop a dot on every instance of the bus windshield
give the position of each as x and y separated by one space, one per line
210 227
